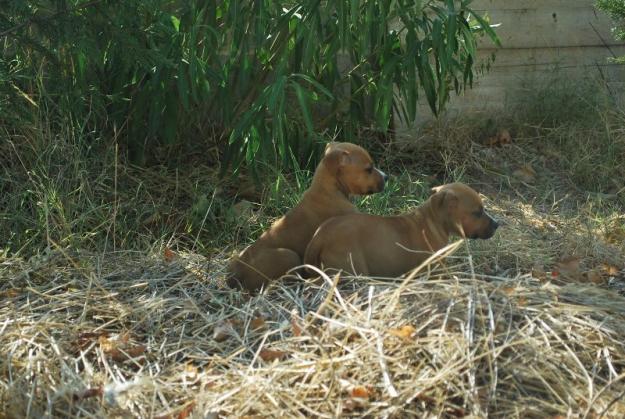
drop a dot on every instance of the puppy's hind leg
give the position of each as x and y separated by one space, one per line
352 263
358 264
266 266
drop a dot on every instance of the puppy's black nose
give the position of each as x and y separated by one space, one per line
384 175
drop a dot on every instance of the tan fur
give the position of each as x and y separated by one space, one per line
346 169
391 246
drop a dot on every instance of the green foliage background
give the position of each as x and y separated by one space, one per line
265 82
616 9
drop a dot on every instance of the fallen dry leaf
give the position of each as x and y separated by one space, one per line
85 339
569 268
117 347
502 137
295 326
360 392
508 289
186 411
168 254
121 355
10 293
135 351
106 344
610 270
525 173
269 355
404 332
258 323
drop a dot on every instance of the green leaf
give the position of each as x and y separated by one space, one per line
451 34
426 75
238 68
303 104
486 27
276 95
175 22
315 83
252 141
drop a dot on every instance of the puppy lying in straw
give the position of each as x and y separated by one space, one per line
346 169
373 245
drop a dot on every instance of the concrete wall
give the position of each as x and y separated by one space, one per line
540 38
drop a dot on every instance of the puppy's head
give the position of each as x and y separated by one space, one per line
462 211
353 168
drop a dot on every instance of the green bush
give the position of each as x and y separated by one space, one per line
264 80
616 9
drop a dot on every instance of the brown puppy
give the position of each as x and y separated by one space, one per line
391 246
346 169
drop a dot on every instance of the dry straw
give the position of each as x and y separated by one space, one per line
125 335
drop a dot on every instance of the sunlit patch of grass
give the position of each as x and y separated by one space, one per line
403 191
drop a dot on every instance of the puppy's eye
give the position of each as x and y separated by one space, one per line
369 170
479 213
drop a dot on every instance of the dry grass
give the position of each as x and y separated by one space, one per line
528 324
123 334
549 210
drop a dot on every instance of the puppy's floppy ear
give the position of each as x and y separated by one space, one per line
444 198
335 158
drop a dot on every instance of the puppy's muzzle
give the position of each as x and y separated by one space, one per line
489 232
383 179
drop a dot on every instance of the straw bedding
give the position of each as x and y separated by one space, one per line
130 335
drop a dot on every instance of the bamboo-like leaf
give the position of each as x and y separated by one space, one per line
486 27
469 40
426 75
235 67
175 21
276 95
252 141
451 30
303 103
315 83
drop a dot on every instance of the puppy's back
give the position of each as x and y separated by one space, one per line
339 231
